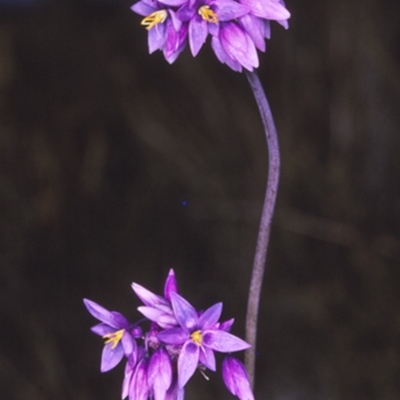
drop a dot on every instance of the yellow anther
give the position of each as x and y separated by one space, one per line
197 337
114 338
154 18
207 14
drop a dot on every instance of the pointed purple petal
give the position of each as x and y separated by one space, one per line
139 388
223 342
171 285
283 22
267 29
254 26
111 357
223 56
187 362
175 336
151 313
127 380
156 39
128 344
147 297
197 34
268 9
184 312
227 325
159 373
210 317
177 24
114 319
207 358
143 9
235 378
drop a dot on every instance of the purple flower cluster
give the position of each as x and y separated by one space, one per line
179 341
237 27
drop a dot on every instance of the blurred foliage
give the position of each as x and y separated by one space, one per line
116 167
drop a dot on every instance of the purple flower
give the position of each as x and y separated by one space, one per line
115 329
257 22
236 379
199 337
156 308
204 16
166 32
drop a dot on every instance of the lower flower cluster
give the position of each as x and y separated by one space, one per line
179 340
237 28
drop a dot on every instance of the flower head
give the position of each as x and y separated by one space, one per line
161 358
237 28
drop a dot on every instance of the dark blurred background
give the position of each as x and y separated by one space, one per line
116 166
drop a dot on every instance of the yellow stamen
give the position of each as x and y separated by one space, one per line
154 18
207 14
197 337
114 338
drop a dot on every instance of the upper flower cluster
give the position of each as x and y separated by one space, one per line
179 341
237 28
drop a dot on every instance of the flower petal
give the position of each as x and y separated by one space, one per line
151 313
223 342
222 55
167 321
142 8
187 362
139 388
226 325
236 379
176 41
159 373
156 39
268 9
210 317
128 344
207 358
127 379
184 312
197 34
111 357
175 336
147 297
170 283
254 26
114 319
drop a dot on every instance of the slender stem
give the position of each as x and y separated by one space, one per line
265 224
